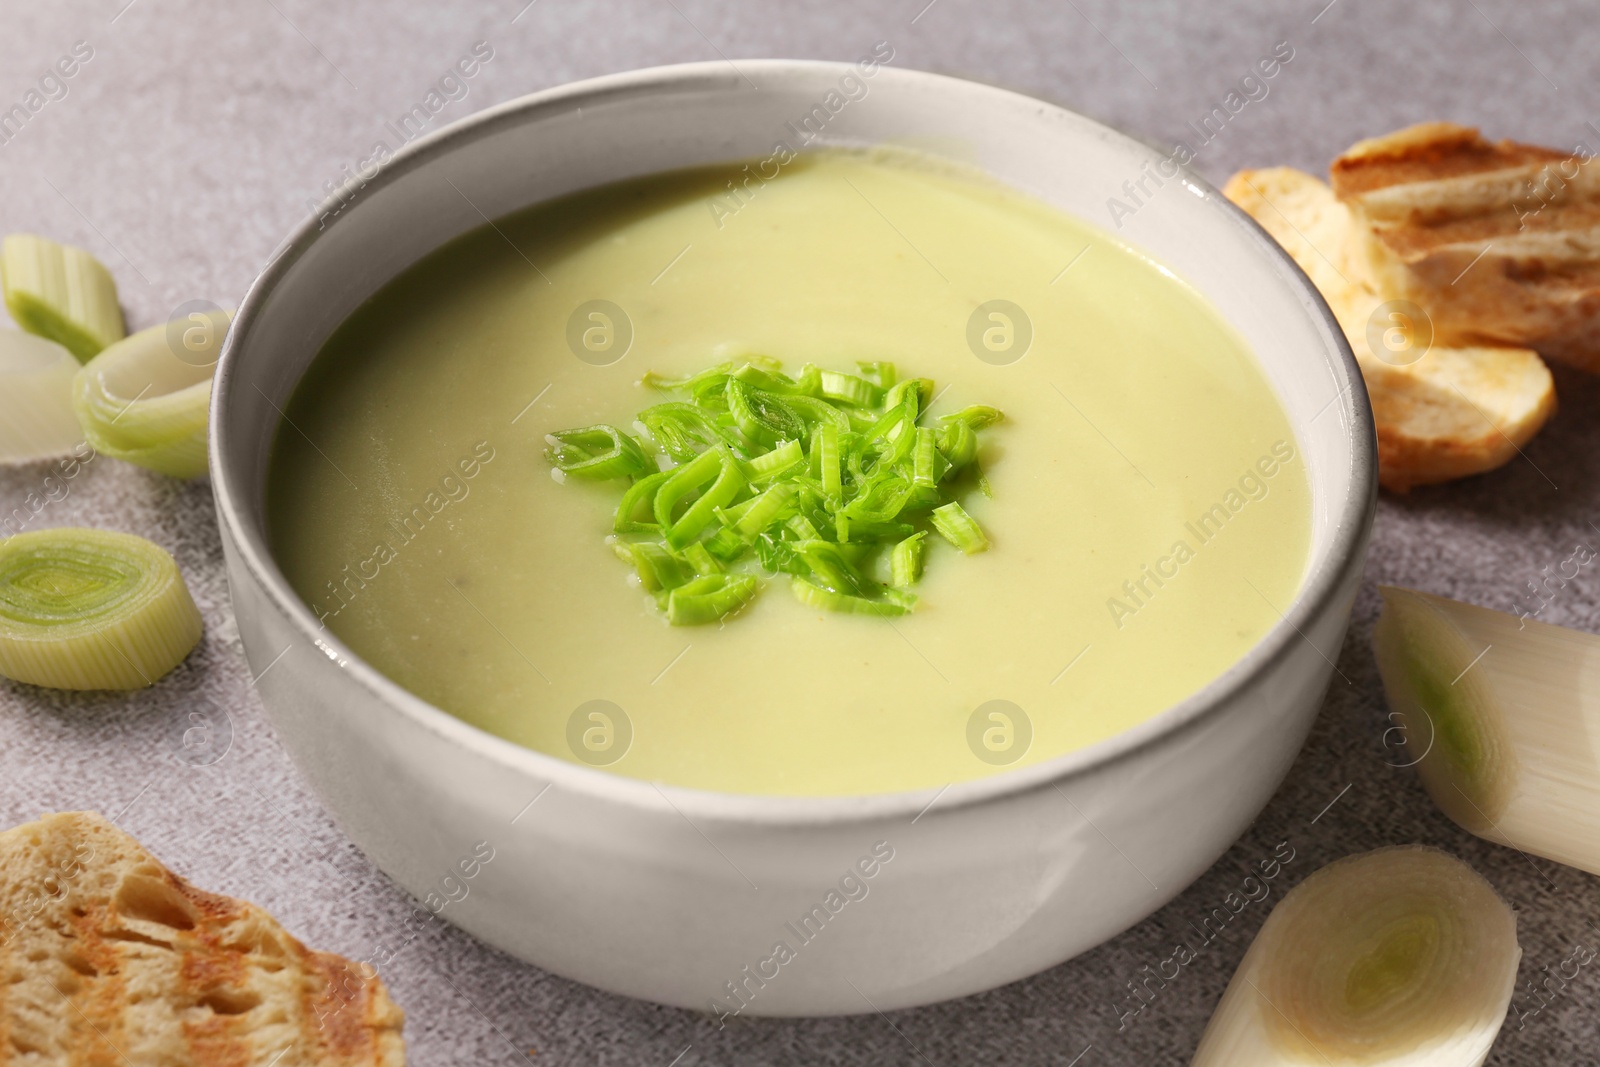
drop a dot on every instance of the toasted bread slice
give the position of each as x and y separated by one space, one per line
110 958
1450 413
1498 241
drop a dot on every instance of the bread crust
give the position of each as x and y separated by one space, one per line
110 958
1498 241
1451 412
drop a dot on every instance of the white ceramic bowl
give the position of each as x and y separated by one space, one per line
680 896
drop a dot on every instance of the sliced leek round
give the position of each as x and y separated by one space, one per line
91 609
1501 716
1404 955
36 416
146 398
60 292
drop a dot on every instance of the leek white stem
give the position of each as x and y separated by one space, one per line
1403 956
36 417
91 609
60 292
1502 716
145 399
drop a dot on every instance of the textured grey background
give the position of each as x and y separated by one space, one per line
189 145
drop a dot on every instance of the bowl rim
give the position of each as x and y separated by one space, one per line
1352 520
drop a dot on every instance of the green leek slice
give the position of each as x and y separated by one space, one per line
641 494
683 481
726 545
928 467
831 570
881 499
786 457
658 569
763 416
825 453
682 430
856 392
815 411
918 390
765 510
959 528
709 599
61 293
895 418
827 477
595 452
868 534
700 558
817 597
689 383
802 528
976 417
905 562
721 471
901 440
36 417
91 609
142 402
774 380
958 443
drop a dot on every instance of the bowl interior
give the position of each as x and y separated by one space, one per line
633 124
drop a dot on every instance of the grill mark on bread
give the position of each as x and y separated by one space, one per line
209 978
162 973
1430 152
107 993
1557 231
339 1004
1498 241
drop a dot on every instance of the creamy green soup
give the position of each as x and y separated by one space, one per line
1148 512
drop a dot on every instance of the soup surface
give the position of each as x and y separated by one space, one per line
1149 513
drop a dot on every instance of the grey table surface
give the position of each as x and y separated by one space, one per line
188 145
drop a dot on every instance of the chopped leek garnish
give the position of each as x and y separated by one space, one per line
709 598
682 430
763 416
959 528
905 561
849 390
1403 955
595 452
765 510
36 419
977 417
1498 713
891 603
700 558
61 293
779 461
144 403
958 443
715 476
825 476
641 494
91 609
658 569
